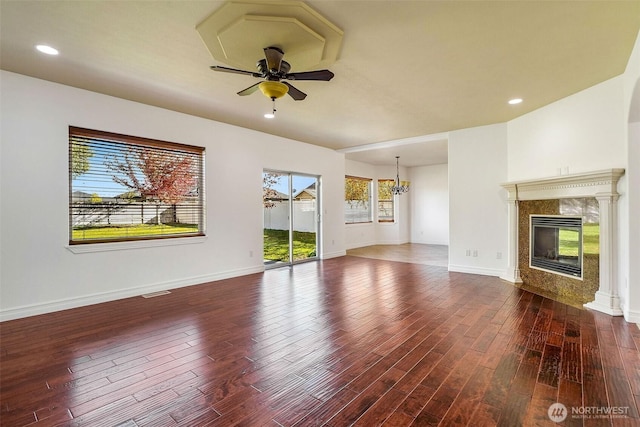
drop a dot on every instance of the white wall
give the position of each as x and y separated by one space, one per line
581 133
40 274
631 284
374 233
477 203
430 204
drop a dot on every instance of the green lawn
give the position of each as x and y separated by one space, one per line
276 245
590 240
139 230
276 242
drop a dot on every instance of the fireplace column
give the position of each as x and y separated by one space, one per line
512 274
607 299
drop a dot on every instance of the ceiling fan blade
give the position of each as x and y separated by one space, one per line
295 93
274 58
249 90
324 75
233 70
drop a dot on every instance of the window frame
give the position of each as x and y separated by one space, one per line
149 240
369 200
392 200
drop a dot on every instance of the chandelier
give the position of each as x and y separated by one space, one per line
399 187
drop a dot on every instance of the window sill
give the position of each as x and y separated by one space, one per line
137 244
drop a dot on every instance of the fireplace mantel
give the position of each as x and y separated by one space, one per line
566 186
599 184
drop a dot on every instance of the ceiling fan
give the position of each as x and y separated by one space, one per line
274 69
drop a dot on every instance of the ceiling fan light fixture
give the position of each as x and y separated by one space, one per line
273 90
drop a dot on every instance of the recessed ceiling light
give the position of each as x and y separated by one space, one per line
47 49
515 101
269 115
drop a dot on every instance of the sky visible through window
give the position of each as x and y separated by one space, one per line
299 183
101 184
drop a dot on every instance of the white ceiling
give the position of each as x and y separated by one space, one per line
406 69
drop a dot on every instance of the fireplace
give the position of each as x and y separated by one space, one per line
556 244
601 185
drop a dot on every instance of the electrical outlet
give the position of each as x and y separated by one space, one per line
499 255
468 252
250 254
475 253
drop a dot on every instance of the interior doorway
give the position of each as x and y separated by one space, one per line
290 217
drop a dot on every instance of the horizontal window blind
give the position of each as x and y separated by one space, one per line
130 188
357 204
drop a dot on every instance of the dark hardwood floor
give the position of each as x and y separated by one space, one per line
347 341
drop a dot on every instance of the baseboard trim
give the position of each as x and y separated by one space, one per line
69 303
632 316
361 245
428 242
328 255
392 242
475 270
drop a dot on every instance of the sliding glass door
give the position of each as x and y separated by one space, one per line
304 221
291 220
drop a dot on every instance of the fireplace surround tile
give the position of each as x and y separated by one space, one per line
565 289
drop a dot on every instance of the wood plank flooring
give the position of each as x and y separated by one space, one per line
346 341
415 253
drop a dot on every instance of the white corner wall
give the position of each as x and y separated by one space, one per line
477 203
398 232
39 274
364 234
430 204
631 284
375 233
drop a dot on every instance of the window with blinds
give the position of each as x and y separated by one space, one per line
385 200
357 200
129 188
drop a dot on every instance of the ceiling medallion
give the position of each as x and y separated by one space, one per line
236 34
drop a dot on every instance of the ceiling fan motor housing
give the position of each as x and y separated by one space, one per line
263 69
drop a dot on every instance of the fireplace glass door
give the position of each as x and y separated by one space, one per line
556 244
